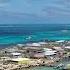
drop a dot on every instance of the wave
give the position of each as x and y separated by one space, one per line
64 31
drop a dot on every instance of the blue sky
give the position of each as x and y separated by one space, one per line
34 11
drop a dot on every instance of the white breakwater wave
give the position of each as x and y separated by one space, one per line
64 30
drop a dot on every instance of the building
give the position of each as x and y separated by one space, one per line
21 60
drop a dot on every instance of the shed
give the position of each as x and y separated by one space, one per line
49 53
21 60
58 48
47 49
15 54
67 47
38 55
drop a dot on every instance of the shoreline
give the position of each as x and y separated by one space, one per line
34 54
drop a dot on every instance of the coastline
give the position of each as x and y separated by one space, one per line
23 33
38 59
33 43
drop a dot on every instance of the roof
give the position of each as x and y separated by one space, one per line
67 47
21 59
37 48
39 55
49 53
16 53
47 49
57 48
12 49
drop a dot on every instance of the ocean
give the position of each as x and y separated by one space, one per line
23 33
11 34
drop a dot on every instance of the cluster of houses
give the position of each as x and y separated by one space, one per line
26 53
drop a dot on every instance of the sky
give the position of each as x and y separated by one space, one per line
34 11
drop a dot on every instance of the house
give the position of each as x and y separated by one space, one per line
21 60
30 51
33 49
15 55
58 48
49 53
37 55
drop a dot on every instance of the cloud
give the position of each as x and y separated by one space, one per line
3 3
57 9
36 10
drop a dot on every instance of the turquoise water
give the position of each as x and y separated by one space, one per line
22 33
38 36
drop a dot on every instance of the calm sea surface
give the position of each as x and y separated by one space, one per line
22 33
